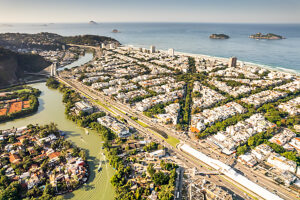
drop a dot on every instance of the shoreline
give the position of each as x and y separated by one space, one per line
224 59
268 67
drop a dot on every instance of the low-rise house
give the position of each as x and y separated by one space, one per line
239 133
292 86
14 158
295 142
262 151
24 176
121 129
283 137
54 157
32 181
287 177
158 153
292 106
281 163
208 117
248 159
263 97
84 107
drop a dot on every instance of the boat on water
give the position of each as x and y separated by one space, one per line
100 166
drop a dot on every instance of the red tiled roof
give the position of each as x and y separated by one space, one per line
14 158
54 155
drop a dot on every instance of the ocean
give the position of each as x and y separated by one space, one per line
193 38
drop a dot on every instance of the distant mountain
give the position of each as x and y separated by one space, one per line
90 40
13 65
49 41
43 41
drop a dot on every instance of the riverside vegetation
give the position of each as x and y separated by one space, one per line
161 182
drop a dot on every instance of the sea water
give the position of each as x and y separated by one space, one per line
193 38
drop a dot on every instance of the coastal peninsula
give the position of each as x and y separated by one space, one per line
219 36
269 36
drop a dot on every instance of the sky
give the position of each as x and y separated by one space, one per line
219 11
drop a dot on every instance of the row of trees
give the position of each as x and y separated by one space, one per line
52 83
120 178
164 181
278 117
70 97
157 109
22 92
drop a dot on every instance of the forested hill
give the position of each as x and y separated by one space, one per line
49 41
13 65
90 40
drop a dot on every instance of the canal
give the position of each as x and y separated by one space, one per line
52 109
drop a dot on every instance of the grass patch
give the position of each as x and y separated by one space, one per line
104 106
172 141
118 109
98 102
23 90
141 123
155 133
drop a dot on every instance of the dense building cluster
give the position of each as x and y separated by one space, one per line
204 96
34 156
226 104
235 135
208 117
264 97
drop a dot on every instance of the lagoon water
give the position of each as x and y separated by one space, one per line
193 38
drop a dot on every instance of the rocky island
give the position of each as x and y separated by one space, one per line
219 36
115 31
269 36
92 22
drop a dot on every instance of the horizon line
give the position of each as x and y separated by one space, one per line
157 22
